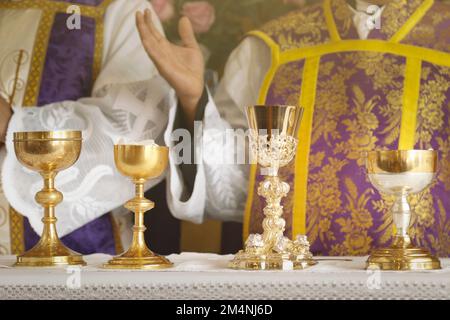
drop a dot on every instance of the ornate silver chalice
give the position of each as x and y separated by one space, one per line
402 173
273 142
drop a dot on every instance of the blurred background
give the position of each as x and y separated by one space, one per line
220 24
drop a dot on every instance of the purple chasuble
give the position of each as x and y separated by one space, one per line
358 107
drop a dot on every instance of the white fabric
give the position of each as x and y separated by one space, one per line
361 15
128 100
205 276
224 187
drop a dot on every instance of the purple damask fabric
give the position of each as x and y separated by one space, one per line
68 66
68 75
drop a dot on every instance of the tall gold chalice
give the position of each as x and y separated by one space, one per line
48 153
140 163
273 142
402 173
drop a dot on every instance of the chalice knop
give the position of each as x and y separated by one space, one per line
401 173
48 153
140 163
273 143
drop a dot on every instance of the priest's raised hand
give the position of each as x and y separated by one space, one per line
181 65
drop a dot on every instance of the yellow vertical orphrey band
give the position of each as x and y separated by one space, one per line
410 103
307 101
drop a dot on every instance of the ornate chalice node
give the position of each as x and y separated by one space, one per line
273 132
48 153
140 163
400 174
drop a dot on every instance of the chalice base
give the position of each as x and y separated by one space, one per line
403 259
149 261
272 261
46 254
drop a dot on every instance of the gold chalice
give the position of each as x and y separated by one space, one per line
48 153
402 173
140 163
273 142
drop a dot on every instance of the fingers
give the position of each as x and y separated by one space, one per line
151 25
149 41
144 32
146 28
187 33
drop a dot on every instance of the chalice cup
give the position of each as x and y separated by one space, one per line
273 143
48 153
140 163
401 173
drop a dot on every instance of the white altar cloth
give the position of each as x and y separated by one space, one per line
205 276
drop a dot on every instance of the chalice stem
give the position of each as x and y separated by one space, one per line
49 233
139 205
139 227
273 190
139 185
48 198
402 218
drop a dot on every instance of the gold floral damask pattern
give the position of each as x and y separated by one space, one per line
444 147
433 31
286 83
441 243
394 16
396 13
435 84
356 111
300 28
344 19
324 197
433 121
382 70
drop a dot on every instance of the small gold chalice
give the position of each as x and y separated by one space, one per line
48 153
140 163
402 173
273 142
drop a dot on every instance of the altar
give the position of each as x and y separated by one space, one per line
206 276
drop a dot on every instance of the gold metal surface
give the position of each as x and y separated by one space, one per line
273 143
401 173
140 163
398 161
277 120
48 153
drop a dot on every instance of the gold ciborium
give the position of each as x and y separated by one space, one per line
402 173
140 163
273 142
48 153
